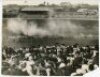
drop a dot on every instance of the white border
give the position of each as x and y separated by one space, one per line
0 33
92 75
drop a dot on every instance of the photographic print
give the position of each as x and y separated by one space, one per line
50 37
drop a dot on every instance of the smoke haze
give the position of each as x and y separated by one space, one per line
52 27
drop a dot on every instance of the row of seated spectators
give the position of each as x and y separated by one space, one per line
56 60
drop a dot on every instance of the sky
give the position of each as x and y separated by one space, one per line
36 2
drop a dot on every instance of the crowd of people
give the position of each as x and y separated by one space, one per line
55 60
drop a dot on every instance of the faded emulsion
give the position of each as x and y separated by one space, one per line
50 39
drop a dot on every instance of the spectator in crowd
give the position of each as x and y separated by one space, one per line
55 60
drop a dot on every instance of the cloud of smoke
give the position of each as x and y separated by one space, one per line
52 27
61 27
19 26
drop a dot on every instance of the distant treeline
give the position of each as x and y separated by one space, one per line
62 7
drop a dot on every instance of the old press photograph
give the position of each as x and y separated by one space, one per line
50 37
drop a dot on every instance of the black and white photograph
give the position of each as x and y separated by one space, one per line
49 37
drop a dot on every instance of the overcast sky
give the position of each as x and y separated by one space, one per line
35 2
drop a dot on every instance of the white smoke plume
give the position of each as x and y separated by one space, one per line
52 27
